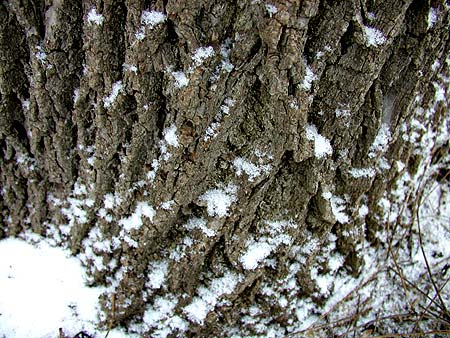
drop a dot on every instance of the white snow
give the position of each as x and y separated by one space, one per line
110 200
152 18
149 19
219 200
271 9
371 16
76 95
167 205
342 112
130 68
76 210
151 175
322 146
157 274
273 235
256 252
362 172
162 309
94 18
309 78
117 87
201 54
140 34
363 211
181 79
209 296
225 51
381 142
432 17
435 66
439 92
338 207
40 54
43 289
373 36
212 130
26 104
201 224
250 169
170 136
134 221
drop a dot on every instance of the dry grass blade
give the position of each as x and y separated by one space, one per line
430 274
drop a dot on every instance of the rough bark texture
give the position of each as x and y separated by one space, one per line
217 99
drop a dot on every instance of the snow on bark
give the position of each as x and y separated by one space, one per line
322 146
95 18
219 200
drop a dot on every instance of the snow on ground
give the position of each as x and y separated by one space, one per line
43 289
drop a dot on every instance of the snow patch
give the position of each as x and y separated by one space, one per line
251 170
41 55
256 252
181 79
342 113
43 289
273 236
322 146
432 17
381 142
309 78
212 130
271 9
95 18
152 18
117 87
219 200
134 221
208 297
170 136
439 92
167 205
199 223
362 172
373 36
338 206
149 19
157 275
201 54
130 68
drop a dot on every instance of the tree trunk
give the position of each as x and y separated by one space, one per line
191 151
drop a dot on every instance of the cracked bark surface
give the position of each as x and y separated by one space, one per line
61 141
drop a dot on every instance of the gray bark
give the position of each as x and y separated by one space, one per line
67 144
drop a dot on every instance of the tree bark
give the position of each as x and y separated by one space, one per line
186 146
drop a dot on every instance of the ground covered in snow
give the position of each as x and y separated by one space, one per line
43 288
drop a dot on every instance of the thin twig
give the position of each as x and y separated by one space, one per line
415 334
